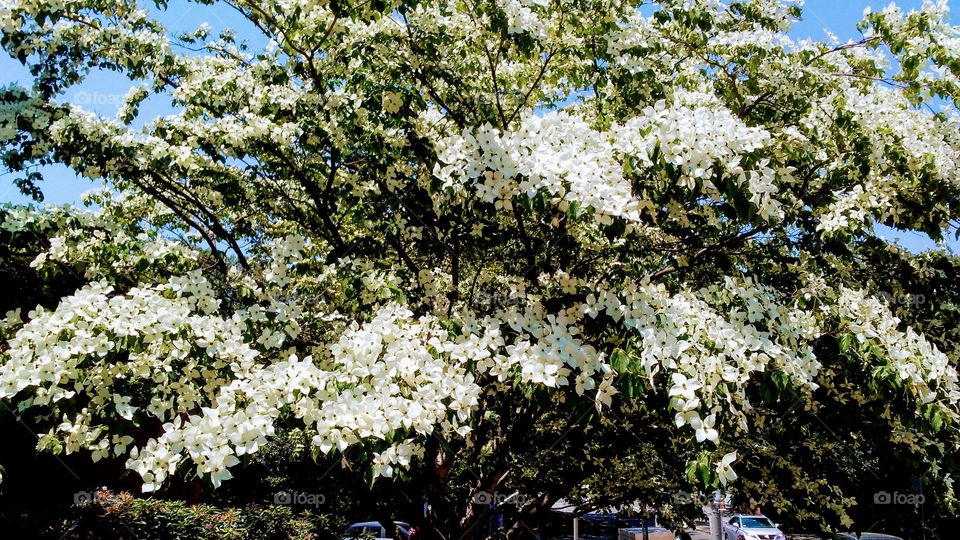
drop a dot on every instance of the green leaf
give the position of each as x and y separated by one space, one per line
845 341
23 405
936 420
525 202
619 360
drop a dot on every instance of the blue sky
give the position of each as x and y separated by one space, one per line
102 90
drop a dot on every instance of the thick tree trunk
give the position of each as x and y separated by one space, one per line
529 519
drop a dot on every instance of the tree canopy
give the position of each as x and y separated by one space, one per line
461 244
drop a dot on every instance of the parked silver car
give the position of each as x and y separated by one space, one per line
751 527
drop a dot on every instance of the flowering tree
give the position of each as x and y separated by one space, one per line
415 230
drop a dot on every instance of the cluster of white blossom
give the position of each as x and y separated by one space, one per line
284 252
95 240
704 140
129 30
638 35
635 33
713 342
890 120
558 153
709 350
155 352
126 251
97 344
905 144
856 209
756 37
547 350
938 32
399 454
19 219
215 80
522 16
394 377
916 361
239 422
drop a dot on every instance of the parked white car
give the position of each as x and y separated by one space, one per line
746 527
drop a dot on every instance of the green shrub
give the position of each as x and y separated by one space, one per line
124 517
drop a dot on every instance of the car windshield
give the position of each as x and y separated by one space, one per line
757 523
360 531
